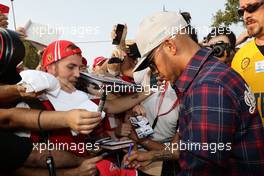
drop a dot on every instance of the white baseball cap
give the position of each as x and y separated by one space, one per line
153 30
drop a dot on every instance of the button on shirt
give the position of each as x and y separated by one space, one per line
220 128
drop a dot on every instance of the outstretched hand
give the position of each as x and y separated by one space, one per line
138 159
83 121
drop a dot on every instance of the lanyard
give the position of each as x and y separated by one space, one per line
160 103
181 95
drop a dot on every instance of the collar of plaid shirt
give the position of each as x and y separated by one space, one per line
191 71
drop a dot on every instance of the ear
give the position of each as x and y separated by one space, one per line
170 46
42 68
51 69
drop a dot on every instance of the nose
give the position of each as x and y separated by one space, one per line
77 72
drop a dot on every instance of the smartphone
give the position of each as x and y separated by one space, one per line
119 32
4 9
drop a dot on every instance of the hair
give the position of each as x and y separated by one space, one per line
223 31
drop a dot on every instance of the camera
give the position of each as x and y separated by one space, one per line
219 49
12 52
132 51
114 60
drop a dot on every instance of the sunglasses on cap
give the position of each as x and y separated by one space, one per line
250 8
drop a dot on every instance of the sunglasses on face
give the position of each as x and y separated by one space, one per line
250 8
153 67
151 63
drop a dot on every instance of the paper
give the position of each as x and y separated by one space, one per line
110 84
36 81
259 66
141 126
41 34
103 79
76 100
116 145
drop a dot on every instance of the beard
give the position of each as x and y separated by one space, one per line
255 31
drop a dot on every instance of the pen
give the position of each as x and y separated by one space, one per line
102 102
129 150
128 155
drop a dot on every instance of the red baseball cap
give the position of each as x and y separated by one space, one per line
4 9
98 61
57 51
109 168
84 61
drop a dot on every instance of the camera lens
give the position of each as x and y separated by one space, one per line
219 50
12 51
1 47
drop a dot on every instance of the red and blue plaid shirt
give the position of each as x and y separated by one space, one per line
218 121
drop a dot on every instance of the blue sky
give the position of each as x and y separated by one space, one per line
92 20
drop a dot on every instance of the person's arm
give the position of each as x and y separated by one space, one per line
86 168
62 159
210 119
126 130
12 93
151 145
124 103
80 120
139 159
147 143
21 31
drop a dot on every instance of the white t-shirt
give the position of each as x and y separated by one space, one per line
166 126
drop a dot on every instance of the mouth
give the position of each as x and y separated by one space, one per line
73 82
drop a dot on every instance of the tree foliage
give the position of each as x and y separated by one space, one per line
228 16
31 59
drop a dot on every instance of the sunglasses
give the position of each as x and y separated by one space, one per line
250 8
151 63
153 67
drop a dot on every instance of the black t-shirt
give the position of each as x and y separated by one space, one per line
14 151
261 49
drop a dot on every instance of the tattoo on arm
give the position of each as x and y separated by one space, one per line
165 155
135 96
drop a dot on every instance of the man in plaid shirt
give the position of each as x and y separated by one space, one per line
220 130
